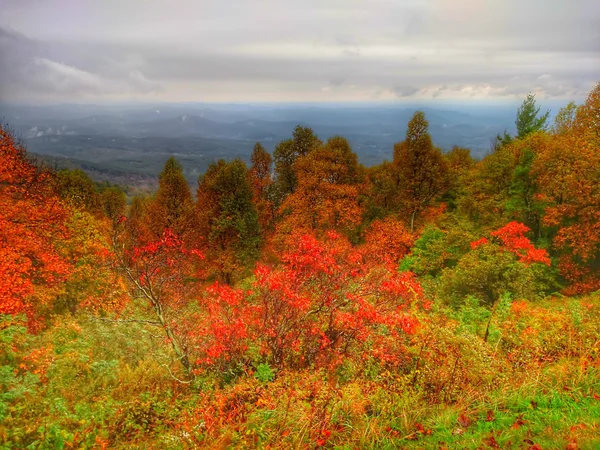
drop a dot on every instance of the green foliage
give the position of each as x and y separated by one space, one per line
77 188
264 373
227 216
528 120
439 248
285 155
487 273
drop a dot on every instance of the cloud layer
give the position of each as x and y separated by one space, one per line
278 50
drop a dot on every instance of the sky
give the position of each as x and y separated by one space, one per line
295 51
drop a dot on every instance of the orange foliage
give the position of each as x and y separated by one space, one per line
31 227
387 241
327 192
569 179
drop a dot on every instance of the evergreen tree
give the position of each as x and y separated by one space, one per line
262 186
227 217
421 166
528 121
172 205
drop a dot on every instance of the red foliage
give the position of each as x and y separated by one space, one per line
164 268
324 301
512 238
479 242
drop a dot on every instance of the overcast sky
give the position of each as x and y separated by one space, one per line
307 50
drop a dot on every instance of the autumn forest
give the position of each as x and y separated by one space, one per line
307 301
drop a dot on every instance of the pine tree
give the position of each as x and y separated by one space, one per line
172 206
227 217
262 186
422 167
527 121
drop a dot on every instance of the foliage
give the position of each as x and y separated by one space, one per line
413 304
32 261
321 306
527 120
172 206
327 192
227 221
285 155
493 268
421 166
262 187
163 274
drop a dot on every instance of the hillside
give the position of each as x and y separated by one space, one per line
296 298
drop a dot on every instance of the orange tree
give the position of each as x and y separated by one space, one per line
327 193
567 171
32 261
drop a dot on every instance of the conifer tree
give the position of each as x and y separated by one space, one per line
227 217
528 120
172 206
262 185
422 168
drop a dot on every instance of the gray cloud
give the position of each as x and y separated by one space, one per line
404 91
292 50
33 68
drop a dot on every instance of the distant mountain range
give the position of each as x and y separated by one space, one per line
139 138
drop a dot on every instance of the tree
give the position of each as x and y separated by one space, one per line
383 190
114 203
262 186
507 262
172 206
285 155
527 121
328 188
78 189
485 189
137 226
565 119
566 171
500 141
524 202
227 218
421 166
459 163
33 264
163 275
